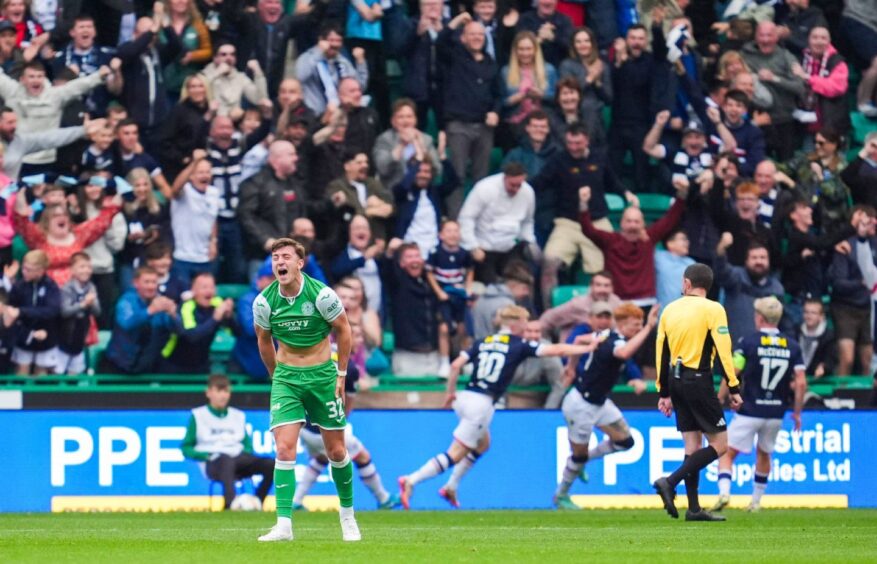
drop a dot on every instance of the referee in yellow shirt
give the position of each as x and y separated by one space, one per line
691 333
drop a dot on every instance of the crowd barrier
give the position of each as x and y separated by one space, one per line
113 460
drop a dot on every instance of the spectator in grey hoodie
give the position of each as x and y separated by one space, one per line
515 288
18 145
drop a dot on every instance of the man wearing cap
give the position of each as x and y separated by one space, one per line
12 57
694 156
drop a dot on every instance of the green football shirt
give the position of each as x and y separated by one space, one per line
299 321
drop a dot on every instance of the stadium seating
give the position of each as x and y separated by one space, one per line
562 294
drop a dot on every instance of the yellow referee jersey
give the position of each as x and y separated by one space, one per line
694 329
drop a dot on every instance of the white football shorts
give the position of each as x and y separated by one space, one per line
582 416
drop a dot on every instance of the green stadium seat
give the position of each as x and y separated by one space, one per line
96 351
562 294
220 351
389 342
862 126
19 248
615 202
653 206
233 291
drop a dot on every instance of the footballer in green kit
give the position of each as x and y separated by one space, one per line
299 313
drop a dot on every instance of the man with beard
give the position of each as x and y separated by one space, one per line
741 219
743 285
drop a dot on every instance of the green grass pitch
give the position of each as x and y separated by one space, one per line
453 536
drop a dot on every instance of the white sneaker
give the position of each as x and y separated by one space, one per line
349 529
868 110
277 533
721 503
444 369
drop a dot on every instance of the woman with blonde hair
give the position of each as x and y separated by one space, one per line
184 25
147 221
188 125
730 66
528 81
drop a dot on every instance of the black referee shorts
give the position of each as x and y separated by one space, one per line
696 404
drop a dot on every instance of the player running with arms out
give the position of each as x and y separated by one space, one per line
496 358
300 312
587 405
770 365
692 332
313 443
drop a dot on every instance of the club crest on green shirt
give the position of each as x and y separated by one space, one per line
307 308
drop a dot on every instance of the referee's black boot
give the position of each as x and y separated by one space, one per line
668 494
703 515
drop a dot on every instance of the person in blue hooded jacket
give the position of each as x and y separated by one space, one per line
144 320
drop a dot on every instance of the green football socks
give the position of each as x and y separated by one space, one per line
284 486
342 474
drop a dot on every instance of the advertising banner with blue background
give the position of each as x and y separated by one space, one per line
56 460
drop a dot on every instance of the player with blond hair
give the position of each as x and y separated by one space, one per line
770 366
495 359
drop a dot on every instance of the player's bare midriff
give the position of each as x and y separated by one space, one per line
303 357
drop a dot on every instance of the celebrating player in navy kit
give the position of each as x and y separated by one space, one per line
587 405
766 361
496 358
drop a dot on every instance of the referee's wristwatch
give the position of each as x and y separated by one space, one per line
342 373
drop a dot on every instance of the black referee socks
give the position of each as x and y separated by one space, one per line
693 464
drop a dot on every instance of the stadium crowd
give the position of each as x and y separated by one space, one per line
150 152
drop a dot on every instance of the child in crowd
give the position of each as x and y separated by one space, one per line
99 155
39 301
450 272
158 256
79 302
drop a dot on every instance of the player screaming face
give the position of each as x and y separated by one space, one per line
299 313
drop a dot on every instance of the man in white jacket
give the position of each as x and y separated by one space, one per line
39 105
230 86
496 222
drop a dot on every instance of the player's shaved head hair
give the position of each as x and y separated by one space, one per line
626 311
700 276
512 313
770 308
287 242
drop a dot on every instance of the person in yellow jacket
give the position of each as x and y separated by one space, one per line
198 320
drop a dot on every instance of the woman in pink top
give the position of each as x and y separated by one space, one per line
58 237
